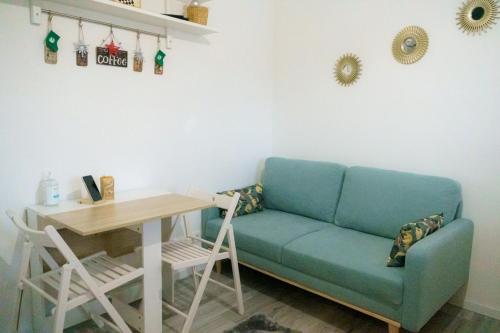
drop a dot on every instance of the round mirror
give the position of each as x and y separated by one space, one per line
409 45
347 69
476 16
477 13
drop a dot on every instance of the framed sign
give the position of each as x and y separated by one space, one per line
120 59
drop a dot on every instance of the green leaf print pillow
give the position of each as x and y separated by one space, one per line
251 200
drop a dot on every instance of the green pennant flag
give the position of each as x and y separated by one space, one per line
51 41
160 55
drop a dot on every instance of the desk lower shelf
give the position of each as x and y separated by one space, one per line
116 243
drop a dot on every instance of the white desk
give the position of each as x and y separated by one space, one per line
138 207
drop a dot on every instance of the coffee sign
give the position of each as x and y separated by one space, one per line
104 58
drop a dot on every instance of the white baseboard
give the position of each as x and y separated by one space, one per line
482 309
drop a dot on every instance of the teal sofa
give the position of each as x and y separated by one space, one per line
329 229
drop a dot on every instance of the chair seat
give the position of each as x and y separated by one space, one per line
185 253
108 273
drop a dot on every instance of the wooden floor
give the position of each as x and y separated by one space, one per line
296 309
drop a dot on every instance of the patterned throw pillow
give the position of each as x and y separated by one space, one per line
410 234
251 200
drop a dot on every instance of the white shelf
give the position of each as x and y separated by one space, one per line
119 10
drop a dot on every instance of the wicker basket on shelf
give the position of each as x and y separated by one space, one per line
197 14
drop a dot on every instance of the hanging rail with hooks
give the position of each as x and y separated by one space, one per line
115 26
118 11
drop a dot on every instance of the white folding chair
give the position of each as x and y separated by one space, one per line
75 283
190 253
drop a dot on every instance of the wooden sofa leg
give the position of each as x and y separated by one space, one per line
218 263
218 266
393 329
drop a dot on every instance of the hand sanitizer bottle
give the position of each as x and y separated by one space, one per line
51 191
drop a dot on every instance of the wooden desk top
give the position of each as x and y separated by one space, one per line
99 219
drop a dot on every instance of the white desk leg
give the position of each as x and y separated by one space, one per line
151 259
37 302
168 226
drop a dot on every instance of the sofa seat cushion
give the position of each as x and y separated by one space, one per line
307 188
350 259
266 233
380 202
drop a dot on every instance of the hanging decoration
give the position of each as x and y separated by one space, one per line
113 48
347 69
81 48
110 54
410 45
51 41
135 3
159 59
138 57
476 16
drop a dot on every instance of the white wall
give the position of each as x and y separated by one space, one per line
206 122
440 116
213 108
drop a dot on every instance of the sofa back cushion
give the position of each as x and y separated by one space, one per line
379 202
306 188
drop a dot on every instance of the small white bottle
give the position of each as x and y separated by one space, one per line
51 191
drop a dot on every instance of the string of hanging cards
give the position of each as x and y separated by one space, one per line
108 53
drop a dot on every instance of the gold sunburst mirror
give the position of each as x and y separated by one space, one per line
347 69
476 16
410 45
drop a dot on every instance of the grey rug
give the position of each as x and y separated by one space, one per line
260 324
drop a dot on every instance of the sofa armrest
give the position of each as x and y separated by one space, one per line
436 267
207 215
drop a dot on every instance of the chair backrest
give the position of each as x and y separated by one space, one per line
220 200
48 238
39 238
